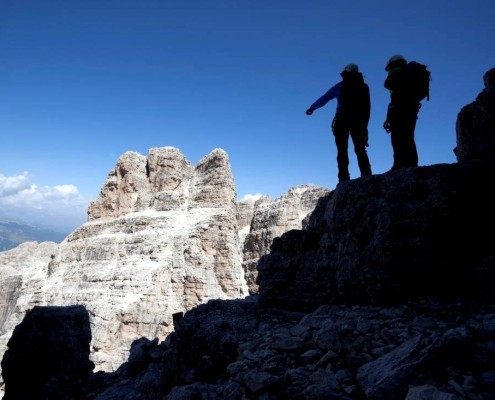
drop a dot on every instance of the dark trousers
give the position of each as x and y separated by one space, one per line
402 127
342 129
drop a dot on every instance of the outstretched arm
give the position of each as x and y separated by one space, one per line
332 93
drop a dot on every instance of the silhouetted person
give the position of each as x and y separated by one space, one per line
351 118
402 114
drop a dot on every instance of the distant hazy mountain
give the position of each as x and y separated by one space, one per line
13 234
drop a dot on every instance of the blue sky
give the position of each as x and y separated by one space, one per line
82 82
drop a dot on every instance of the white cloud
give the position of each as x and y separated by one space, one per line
251 197
12 184
59 207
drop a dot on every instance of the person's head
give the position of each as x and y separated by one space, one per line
395 61
349 69
489 78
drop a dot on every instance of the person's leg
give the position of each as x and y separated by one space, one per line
394 119
401 138
359 137
397 146
341 133
410 151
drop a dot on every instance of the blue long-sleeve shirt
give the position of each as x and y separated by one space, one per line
333 93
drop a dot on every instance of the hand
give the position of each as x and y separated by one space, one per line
386 126
309 111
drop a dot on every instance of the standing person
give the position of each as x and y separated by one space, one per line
402 113
351 118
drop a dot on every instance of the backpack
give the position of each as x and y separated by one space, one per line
355 98
419 80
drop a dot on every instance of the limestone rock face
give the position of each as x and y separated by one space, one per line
23 271
272 218
245 211
160 239
475 125
158 182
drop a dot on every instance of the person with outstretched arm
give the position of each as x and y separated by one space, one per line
351 119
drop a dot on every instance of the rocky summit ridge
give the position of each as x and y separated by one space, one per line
387 293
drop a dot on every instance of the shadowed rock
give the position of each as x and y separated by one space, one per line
384 238
475 125
48 355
